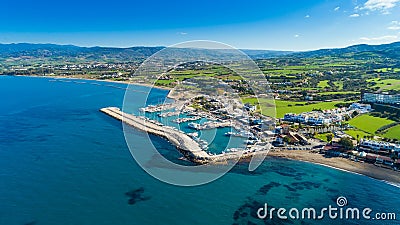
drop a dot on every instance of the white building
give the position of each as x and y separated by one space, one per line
379 145
381 98
361 108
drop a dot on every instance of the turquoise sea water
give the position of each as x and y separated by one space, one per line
64 162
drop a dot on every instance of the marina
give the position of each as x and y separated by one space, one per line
190 145
209 125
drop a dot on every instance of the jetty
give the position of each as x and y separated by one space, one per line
189 147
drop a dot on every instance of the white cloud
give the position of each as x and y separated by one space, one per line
297 35
182 33
336 9
380 40
394 25
354 15
307 16
380 5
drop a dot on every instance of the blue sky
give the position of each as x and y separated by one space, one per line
264 24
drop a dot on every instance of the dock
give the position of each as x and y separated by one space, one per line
189 147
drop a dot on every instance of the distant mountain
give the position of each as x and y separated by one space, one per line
84 53
385 50
263 54
76 53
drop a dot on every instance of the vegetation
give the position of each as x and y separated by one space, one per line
301 82
393 133
384 84
357 134
327 137
368 123
283 107
323 84
347 143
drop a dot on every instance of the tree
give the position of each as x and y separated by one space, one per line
354 114
286 139
329 137
346 142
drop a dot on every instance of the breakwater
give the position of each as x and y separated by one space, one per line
182 141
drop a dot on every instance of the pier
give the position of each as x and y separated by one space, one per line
190 148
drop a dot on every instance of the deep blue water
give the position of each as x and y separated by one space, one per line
64 162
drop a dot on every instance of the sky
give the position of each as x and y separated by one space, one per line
265 24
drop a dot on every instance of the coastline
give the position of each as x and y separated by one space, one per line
99 80
386 175
365 169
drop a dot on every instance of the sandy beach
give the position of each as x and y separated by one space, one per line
347 165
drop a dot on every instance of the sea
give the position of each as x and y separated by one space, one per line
64 162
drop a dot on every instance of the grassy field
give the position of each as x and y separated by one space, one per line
386 84
354 133
322 137
339 84
384 70
323 84
393 133
283 107
369 124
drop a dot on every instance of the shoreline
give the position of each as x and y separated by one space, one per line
364 169
388 176
99 80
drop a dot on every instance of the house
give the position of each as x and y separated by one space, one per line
334 150
250 107
378 159
285 128
278 141
379 146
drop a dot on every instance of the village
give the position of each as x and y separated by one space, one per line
295 132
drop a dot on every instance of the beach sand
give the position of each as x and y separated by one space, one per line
366 169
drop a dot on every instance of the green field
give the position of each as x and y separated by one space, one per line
322 137
369 124
339 84
384 70
385 84
323 84
354 133
393 133
283 107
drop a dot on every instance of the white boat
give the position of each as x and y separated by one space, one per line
194 126
193 135
230 133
